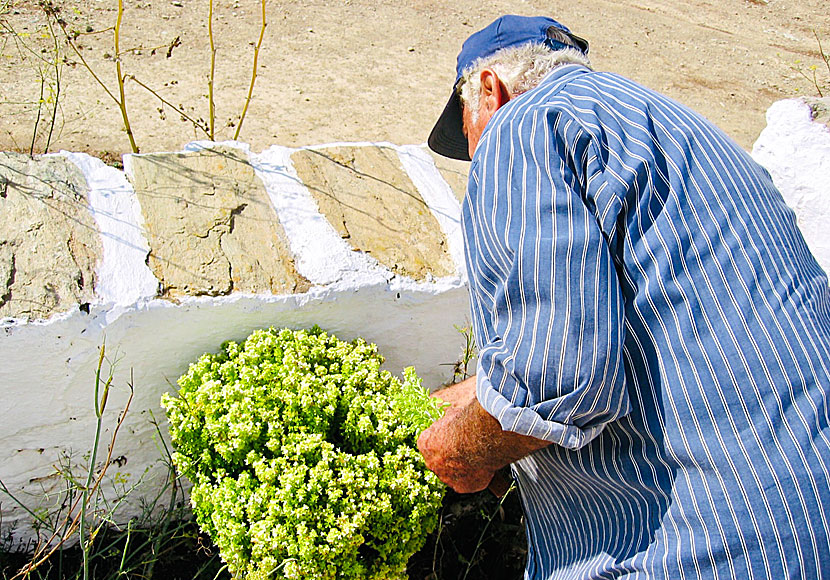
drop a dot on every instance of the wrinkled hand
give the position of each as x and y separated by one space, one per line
467 445
440 448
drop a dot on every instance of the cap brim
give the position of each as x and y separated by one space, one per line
447 137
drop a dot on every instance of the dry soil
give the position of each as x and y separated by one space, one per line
366 70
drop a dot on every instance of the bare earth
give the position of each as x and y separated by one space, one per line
368 70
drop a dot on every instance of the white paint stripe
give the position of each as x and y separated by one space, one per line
123 276
321 255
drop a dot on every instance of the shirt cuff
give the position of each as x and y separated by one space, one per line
526 421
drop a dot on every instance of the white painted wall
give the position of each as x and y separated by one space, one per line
46 400
796 152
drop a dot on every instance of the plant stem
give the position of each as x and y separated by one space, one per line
37 118
99 412
171 473
824 56
484 531
122 102
253 74
33 515
43 552
211 106
437 543
89 68
124 551
196 124
56 62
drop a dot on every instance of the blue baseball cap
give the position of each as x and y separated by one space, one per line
447 137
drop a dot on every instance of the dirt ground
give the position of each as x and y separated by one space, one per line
365 70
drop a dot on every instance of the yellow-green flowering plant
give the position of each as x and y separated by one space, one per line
302 455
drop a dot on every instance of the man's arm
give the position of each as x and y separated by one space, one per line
467 446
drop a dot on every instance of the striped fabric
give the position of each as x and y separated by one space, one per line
642 298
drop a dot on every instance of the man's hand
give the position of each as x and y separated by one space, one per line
443 454
467 445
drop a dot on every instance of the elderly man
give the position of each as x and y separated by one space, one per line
653 333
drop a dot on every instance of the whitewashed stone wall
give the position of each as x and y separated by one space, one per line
181 251
194 248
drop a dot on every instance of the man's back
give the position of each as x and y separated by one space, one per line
601 214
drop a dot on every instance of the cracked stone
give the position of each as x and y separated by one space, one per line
210 225
369 199
6 272
49 242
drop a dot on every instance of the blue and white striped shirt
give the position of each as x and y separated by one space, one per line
643 299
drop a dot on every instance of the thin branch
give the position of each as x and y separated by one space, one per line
211 106
57 85
195 123
253 74
20 504
89 69
41 554
483 531
18 44
37 118
821 53
93 32
824 56
122 103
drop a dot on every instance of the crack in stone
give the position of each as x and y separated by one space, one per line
79 276
237 211
9 282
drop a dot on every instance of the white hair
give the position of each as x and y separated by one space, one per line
520 68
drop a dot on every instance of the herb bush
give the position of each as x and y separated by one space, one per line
302 455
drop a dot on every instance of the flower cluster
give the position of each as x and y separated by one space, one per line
302 455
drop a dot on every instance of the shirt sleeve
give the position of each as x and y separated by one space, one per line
545 297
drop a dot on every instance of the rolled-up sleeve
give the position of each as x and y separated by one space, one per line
546 302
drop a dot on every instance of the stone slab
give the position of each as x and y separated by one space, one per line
372 203
210 225
454 172
49 243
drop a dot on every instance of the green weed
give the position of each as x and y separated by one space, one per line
815 73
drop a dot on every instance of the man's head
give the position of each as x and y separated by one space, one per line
497 63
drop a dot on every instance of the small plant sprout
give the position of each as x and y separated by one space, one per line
82 502
814 73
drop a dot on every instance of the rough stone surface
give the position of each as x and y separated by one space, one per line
821 110
211 228
49 244
371 202
454 172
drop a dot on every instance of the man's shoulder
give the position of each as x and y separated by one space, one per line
551 92
579 86
561 94
575 91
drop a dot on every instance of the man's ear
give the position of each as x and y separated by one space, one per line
494 93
